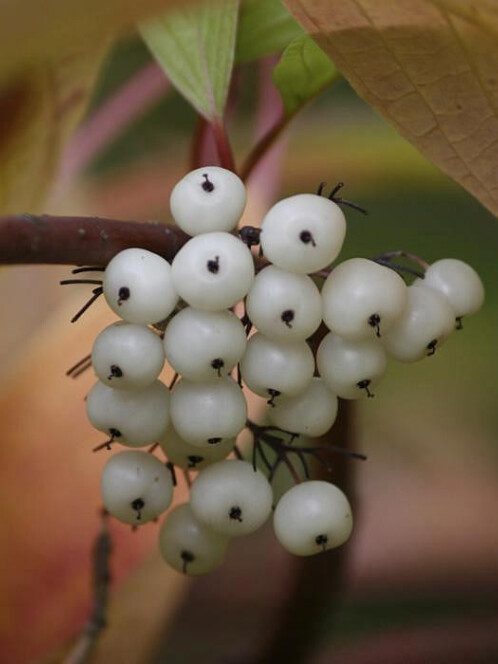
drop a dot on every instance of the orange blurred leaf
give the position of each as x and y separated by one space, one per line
429 67
40 108
31 30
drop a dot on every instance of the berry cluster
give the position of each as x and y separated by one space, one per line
183 314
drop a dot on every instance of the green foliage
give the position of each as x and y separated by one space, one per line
302 73
195 47
265 27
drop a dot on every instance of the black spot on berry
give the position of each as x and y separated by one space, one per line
363 385
207 185
214 441
123 295
322 540
213 266
374 321
273 395
218 365
138 505
187 557
235 513
115 433
193 460
287 317
306 237
116 372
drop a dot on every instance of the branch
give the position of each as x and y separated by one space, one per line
81 240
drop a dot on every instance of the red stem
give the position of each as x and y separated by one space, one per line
223 147
130 101
263 145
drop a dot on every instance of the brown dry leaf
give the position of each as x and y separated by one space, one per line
40 108
430 68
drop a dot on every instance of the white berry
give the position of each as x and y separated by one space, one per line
208 199
126 355
203 345
459 282
189 546
138 286
351 368
231 498
206 413
310 413
284 305
303 233
131 417
136 487
362 299
213 271
312 517
427 321
270 368
192 457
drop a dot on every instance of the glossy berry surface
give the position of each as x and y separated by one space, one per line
303 233
138 286
312 517
208 199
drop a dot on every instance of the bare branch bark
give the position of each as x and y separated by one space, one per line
81 240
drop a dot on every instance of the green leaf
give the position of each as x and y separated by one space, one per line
195 47
265 27
302 73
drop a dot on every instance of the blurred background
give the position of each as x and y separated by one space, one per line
421 572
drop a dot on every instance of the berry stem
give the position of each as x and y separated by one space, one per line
399 253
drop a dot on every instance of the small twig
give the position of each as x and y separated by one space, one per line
400 269
97 292
291 469
171 467
81 366
102 551
237 453
399 253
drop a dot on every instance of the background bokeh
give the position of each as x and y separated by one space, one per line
422 572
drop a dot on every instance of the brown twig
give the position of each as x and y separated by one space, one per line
101 579
46 239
